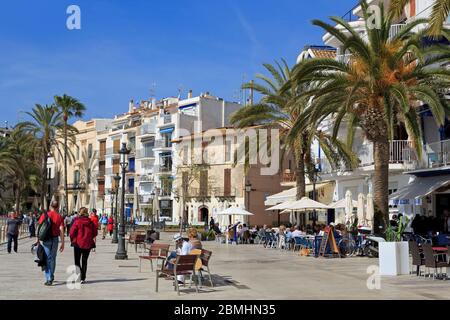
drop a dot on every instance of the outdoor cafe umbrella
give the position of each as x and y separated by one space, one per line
41 207
235 211
306 203
348 207
368 217
78 202
92 200
360 209
339 205
62 204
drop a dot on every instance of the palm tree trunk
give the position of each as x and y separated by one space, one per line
18 196
44 181
381 183
66 195
300 176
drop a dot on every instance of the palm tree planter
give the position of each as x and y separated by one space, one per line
394 253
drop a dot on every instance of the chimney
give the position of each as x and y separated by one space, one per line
190 94
130 106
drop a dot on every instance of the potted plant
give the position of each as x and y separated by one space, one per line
394 252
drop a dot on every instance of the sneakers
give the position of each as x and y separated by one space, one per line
48 283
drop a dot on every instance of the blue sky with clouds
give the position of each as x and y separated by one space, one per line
125 48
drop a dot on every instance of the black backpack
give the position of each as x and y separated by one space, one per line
45 229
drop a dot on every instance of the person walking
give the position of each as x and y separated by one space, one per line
51 245
12 231
82 235
211 224
67 223
104 225
32 225
110 225
94 218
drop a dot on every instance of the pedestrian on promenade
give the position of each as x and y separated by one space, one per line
51 245
12 230
104 225
94 218
67 223
32 225
82 235
110 225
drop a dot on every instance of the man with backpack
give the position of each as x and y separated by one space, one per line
50 231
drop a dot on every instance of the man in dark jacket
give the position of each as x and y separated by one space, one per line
12 231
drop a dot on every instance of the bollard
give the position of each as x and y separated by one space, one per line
2 234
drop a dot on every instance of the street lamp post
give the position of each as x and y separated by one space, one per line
314 181
116 192
121 253
248 190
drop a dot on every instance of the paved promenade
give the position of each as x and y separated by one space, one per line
239 272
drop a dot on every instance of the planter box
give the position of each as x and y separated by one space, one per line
393 258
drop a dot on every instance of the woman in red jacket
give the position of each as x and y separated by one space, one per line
110 227
82 235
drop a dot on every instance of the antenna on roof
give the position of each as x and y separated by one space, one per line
180 91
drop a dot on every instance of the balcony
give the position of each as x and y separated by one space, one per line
78 186
147 129
145 154
146 179
112 152
163 144
167 169
437 154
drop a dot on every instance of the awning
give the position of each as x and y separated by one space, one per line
418 188
290 194
167 130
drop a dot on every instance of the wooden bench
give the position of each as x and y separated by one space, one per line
156 251
136 239
184 265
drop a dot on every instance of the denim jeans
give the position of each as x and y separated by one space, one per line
11 238
51 249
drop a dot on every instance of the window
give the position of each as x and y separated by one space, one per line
204 182
90 150
88 178
131 185
101 187
49 173
77 152
227 151
116 166
132 143
148 149
76 177
227 182
102 148
116 146
131 165
185 181
166 161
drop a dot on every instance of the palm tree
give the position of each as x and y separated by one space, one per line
20 163
46 126
69 107
376 89
439 13
281 109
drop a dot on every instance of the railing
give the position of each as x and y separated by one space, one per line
144 153
76 186
146 179
23 230
210 192
349 16
112 151
437 154
163 143
162 169
400 152
345 58
147 128
167 118
395 29
111 171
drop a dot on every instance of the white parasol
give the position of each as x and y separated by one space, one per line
348 207
360 209
368 217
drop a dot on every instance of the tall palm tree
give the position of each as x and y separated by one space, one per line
439 13
281 109
69 107
378 88
47 126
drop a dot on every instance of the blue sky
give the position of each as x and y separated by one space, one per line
125 48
